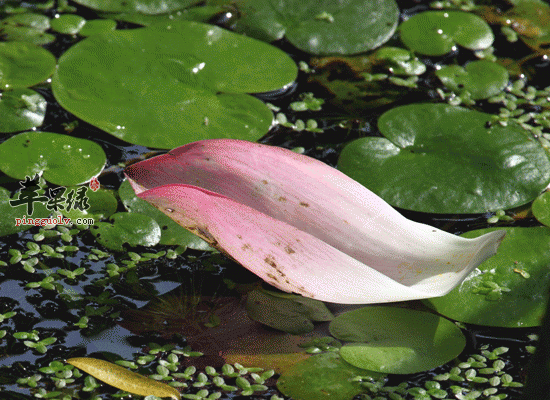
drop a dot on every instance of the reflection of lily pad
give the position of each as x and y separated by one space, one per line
321 27
288 314
169 93
63 159
68 24
172 233
445 159
130 228
482 79
323 376
140 6
26 27
24 64
21 109
434 33
396 340
9 213
509 289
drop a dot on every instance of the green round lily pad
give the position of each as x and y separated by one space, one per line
102 204
541 208
327 27
182 82
434 33
509 289
294 314
26 27
24 64
140 6
323 376
443 159
127 228
68 24
482 78
396 340
172 232
8 222
63 160
21 109
97 26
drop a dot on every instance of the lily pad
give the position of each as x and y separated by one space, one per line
63 160
482 79
293 314
531 20
24 64
510 289
473 165
68 24
182 82
323 376
541 208
26 27
140 6
198 14
321 27
8 223
434 33
172 233
396 340
21 109
127 228
97 26
102 205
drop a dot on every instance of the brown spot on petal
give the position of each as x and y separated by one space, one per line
269 261
245 247
303 204
282 198
203 233
264 182
289 250
239 237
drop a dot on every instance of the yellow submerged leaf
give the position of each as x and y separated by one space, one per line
121 378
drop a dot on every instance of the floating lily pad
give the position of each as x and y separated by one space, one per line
293 314
482 79
444 159
8 223
127 228
396 340
172 232
63 160
509 289
198 14
541 208
26 27
323 376
321 27
140 6
97 26
102 204
68 24
434 33
169 93
399 61
21 109
24 64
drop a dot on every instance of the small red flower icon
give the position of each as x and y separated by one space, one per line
94 184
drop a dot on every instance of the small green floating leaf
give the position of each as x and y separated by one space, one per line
482 79
131 228
63 160
509 289
26 27
434 33
24 64
121 378
183 82
21 110
171 232
396 340
68 24
323 376
288 314
541 208
473 165
321 27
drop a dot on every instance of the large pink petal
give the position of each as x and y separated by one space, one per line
320 200
283 255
